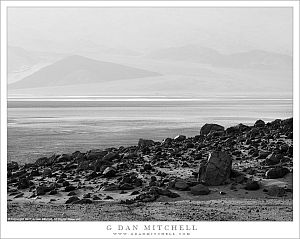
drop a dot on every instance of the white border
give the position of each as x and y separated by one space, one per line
98 229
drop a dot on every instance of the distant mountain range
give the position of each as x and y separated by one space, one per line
74 70
255 59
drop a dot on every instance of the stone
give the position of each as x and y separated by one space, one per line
41 190
277 172
259 123
216 170
273 159
200 189
96 154
207 128
126 186
181 185
147 167
47 172
44 161
109 172
252 186
276 191
83 201
12 166
180 138
23 183
72 200
53 192
111 156
145 143
69 188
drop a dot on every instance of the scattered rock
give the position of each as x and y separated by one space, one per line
277 172
252 186
216 170
207 128
200 189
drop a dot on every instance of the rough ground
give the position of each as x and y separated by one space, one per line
156 180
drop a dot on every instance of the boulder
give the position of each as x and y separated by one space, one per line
181 185
41 190
145 143
276 191
207 128
259 123
23 183
44 161
200 189
95 154
180 138
216 170
12 166
111 156
72 200
47 172
277 172
273 159
109 172
252 186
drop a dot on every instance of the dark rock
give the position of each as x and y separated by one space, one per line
252 186
83 201
109 172
200 189
72 193
64 158
277 172
96 154
207 128
108 198
259 123
276 191
181 185
273 159
145 143
126 186
111 156
41 190
216 170
47 172
92 175
23 183
53 192
72 200
180 138
44 161
69 188
12 166
147 167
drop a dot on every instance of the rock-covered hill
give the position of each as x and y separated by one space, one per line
243 157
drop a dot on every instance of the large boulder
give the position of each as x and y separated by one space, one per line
208 128
200 190
216 170
259 123
237 129
273 159
277 172
44 161
145 143
95 154
180 138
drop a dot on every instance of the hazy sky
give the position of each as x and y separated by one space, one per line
145 29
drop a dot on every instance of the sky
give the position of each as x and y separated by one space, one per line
228 30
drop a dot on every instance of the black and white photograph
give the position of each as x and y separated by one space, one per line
160 114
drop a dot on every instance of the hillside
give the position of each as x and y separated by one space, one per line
76 70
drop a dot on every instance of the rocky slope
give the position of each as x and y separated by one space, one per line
237 163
